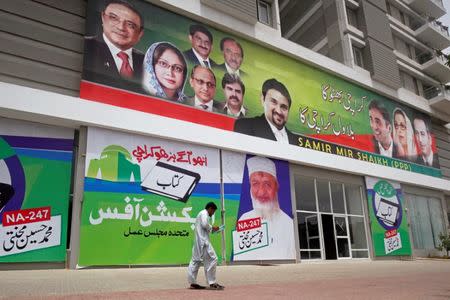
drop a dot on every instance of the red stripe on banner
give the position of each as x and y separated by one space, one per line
362 141
121 98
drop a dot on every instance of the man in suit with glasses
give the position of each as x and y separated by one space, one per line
110 58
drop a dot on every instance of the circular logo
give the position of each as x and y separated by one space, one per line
386 205
12 179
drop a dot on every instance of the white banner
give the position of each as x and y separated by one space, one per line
30 236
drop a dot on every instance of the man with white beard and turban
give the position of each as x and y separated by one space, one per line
264 194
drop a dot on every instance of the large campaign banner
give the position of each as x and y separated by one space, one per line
35 179
258 206
143 57
388 220
141 198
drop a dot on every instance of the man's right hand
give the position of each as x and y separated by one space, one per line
215 228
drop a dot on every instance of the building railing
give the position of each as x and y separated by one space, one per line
434 91
427 56
440 27
439 2
431 92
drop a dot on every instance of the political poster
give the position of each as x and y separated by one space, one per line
35 180
388 221
258 200
141 198
143 57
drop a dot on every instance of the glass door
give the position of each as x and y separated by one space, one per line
342 236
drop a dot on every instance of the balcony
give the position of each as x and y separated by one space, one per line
434 34
430 8
435 66
441 100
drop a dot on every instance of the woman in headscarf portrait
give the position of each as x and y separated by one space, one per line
403 134
165 72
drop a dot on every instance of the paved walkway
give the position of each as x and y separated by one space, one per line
418 279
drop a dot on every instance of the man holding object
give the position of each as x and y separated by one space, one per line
203 250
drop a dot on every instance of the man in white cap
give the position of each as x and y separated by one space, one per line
264 194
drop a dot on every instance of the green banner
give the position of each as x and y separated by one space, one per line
35 177
240 85
141 198
388 220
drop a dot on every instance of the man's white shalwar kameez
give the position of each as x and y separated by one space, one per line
202 250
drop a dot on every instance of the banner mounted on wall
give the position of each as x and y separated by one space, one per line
264 226
166 64
142 194
388 220
35 177
141 198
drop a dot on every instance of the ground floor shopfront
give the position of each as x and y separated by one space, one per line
98 197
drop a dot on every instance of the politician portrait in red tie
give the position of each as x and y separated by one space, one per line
110 57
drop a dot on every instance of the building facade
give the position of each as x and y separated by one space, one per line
101 169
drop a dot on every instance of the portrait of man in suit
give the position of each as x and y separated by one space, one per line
276 100
110 58
233 55
202 43
380 122
203 82
234 91
423 138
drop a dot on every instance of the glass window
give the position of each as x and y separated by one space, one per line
337 195
305 193
308 231
360 254
353 199
343 249
310 255
437 223
323 195
358 56
421 227
340 226
357 232
264 12
352 17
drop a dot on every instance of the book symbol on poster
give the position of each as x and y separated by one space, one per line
171 181
387 212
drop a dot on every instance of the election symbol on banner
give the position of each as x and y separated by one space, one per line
171 181
12 179
386 205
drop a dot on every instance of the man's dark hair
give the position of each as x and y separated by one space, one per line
425 121
232 78
128 5
211 205
375 104
200 66
200 28
274 84
225 39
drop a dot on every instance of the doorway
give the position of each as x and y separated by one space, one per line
328 236
330 215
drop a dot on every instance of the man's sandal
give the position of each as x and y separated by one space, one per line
195 286
216 286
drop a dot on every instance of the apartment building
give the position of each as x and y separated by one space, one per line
103 165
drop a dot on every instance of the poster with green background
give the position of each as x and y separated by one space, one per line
388 220
327 111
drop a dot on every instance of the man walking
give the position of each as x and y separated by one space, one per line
203 250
